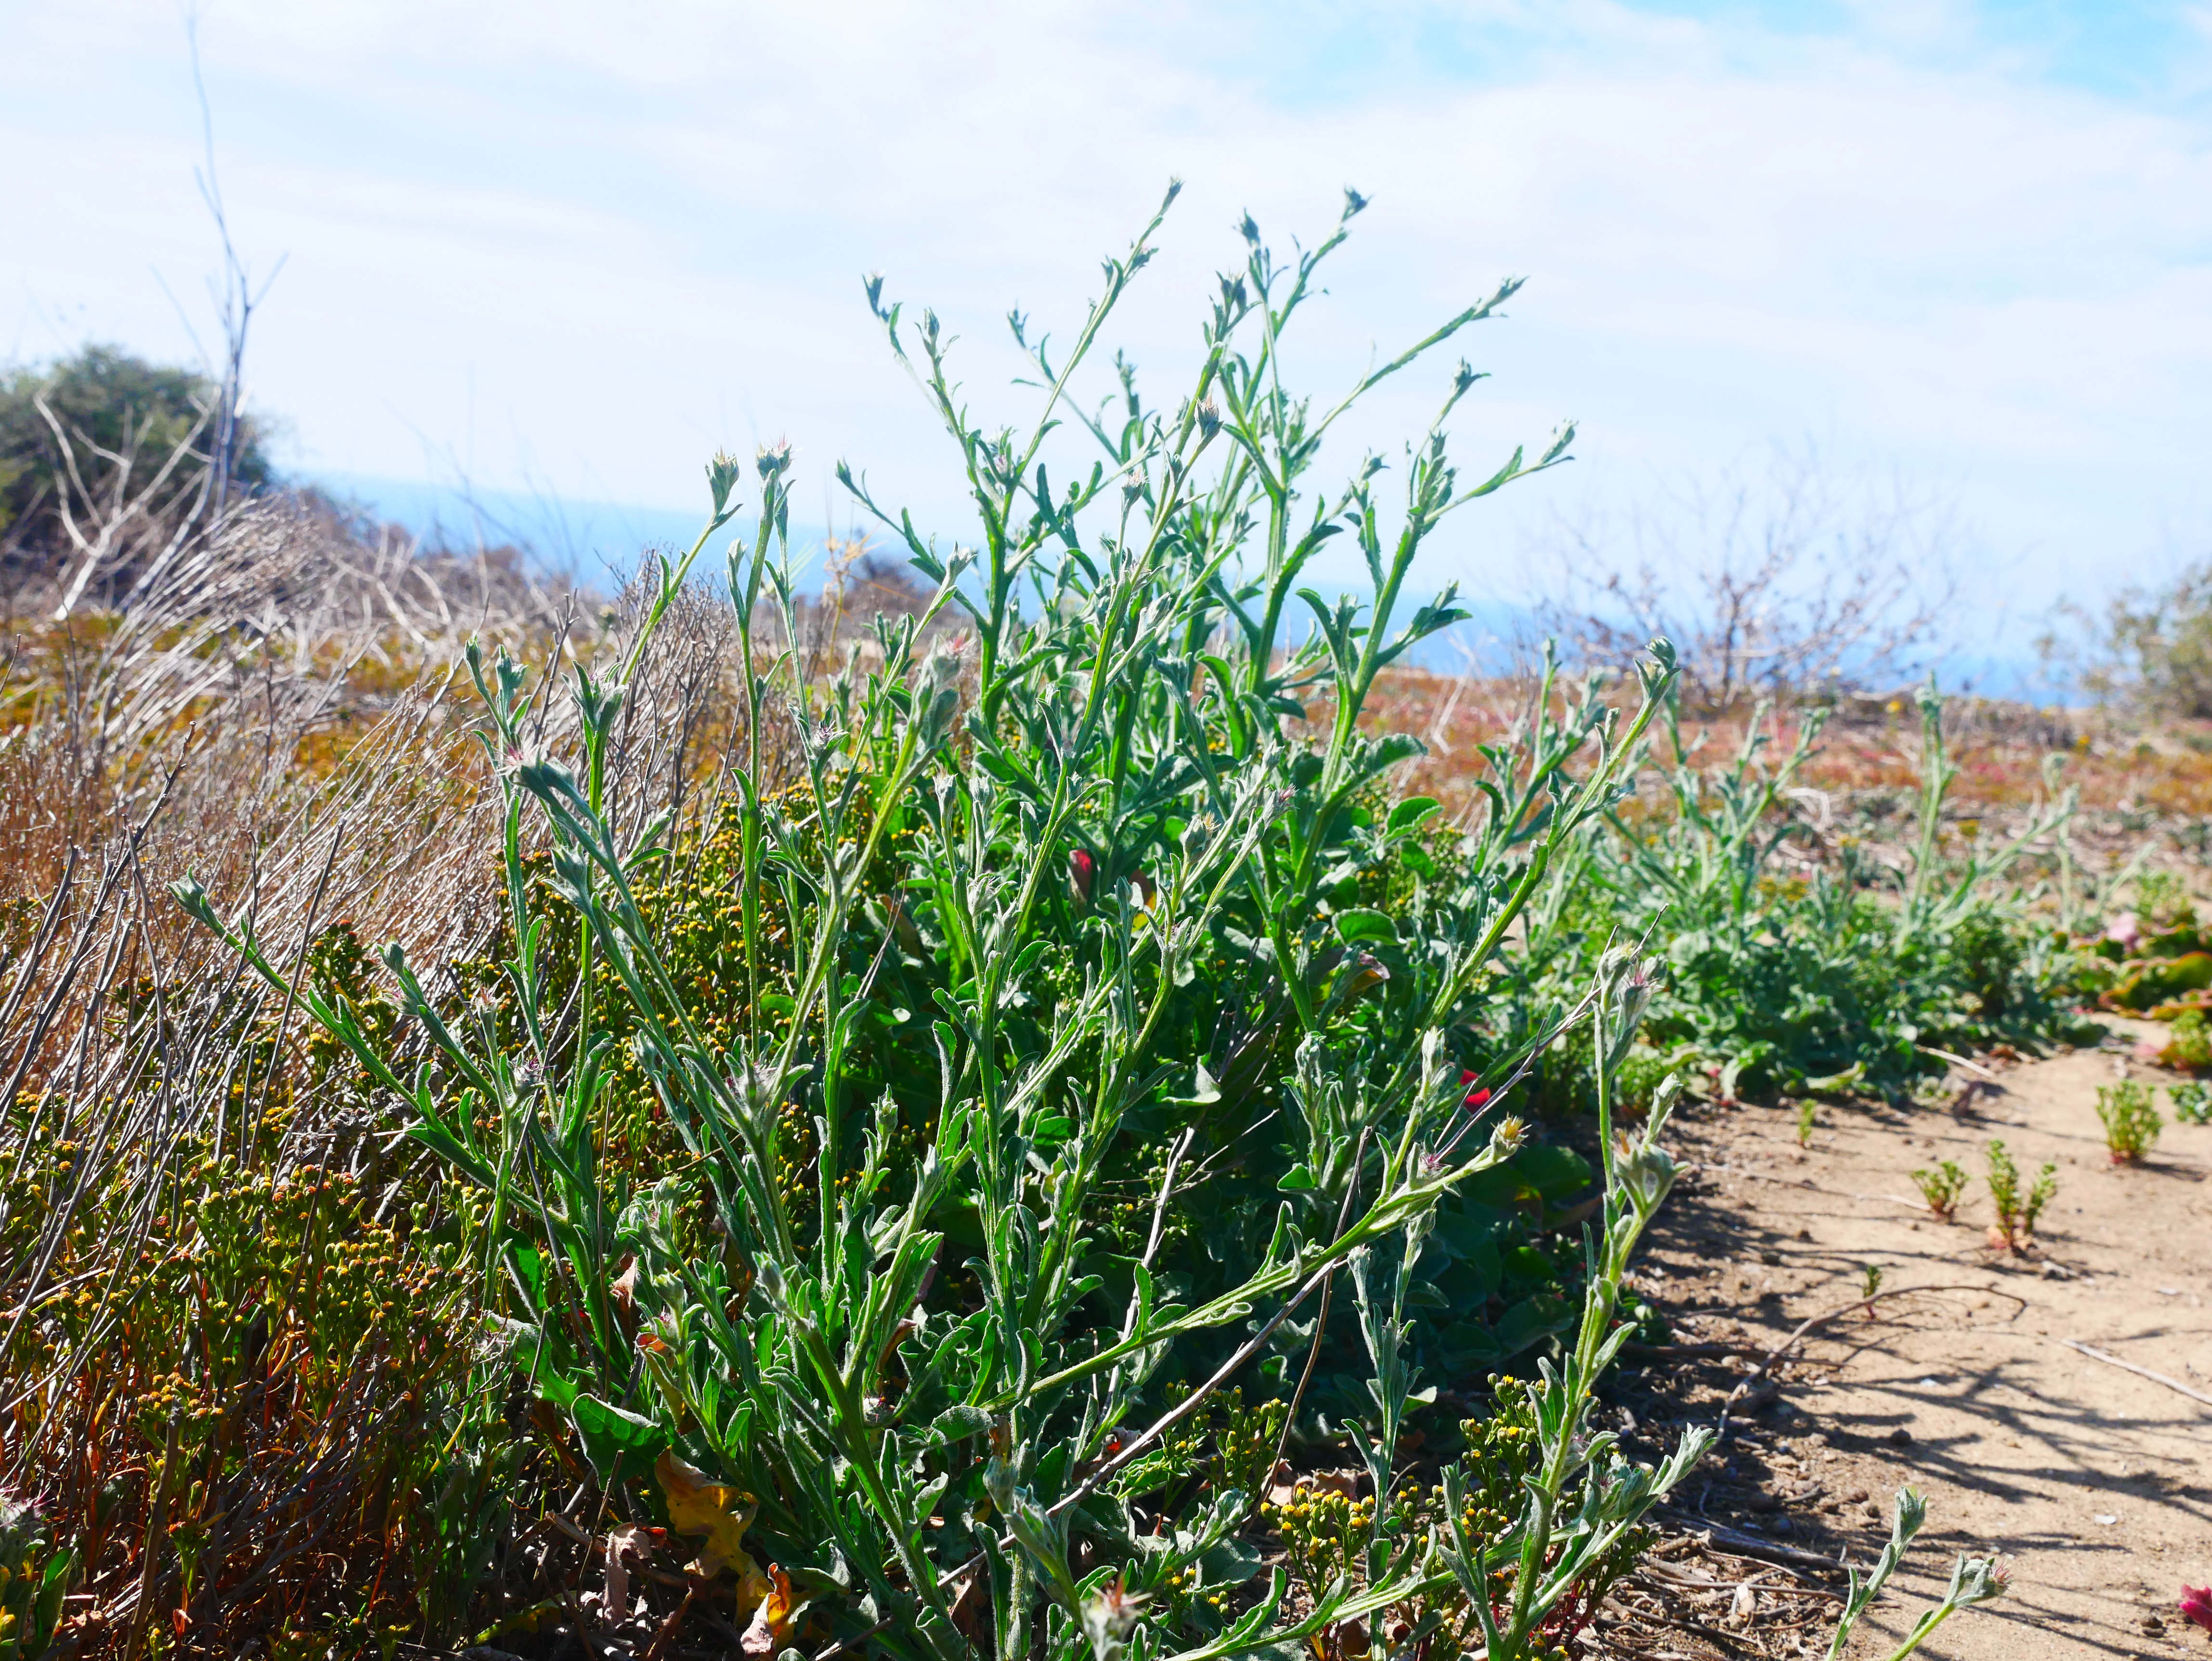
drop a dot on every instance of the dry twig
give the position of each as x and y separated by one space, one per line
2140 1372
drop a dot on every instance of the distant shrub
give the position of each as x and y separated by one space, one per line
107 402
2152 648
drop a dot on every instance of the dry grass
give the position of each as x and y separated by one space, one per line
284 713
275 713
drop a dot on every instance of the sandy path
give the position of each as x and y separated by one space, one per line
2096 1484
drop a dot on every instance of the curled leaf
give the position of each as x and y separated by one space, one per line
771 1620
614 1596
698 1506
623 1288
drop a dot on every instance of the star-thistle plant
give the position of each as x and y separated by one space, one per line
1036 926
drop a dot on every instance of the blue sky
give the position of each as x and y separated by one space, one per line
568 250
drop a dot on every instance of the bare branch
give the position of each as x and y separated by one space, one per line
1793 584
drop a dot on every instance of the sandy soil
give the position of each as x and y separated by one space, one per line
2095 1483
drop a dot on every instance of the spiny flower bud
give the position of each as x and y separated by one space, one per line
1977 1580
722 478
1646 1173
1108 1617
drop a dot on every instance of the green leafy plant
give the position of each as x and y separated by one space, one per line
2188 1042
1559 1546
1842 977
2131 1122
2015 1225
1054 1053
1807 1107
1326 1534
260 1350
2192 1103
1943 1187
266 1360
2162 902
34 1579
1974 1580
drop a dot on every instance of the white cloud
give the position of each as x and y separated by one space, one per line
586 246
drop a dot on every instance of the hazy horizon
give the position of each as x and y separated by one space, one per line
563 256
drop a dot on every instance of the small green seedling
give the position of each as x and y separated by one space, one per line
1943 1187
1869 1279
2192 1103
1805 1110
2131 1123
2015 1224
